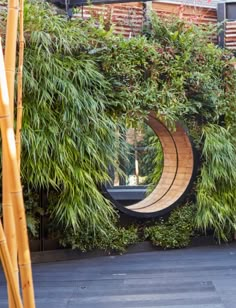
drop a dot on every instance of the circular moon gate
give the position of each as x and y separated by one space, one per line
177 175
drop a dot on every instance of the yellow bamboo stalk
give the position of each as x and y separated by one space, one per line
10 49
10 230
8 139
8 270
10 62
20 78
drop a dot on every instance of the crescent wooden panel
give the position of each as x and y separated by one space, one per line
177 175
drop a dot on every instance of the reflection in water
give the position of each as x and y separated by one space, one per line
138 167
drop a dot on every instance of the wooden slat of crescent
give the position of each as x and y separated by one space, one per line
169 169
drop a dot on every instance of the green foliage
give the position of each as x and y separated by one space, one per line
68 138
33 211
82 83
151 160
216 194
176 232
115 239
154 161
175 73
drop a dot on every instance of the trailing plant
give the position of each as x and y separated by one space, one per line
176 231
68 138
216 194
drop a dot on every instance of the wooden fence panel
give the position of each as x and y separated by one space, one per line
230 35
196 15
126 18
200 16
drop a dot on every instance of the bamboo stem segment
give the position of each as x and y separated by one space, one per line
8 139
10 230
10 50
10 62
20 78
8 270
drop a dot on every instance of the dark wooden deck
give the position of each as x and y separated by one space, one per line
193 277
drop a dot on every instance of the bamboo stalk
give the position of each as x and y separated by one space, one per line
10 230
20 78
10 62
8 270
8 139
10 49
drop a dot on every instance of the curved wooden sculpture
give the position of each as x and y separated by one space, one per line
177 175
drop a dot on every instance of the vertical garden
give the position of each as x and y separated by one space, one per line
82 83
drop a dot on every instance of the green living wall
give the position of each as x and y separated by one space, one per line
82 83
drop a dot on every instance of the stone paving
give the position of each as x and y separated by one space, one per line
185 278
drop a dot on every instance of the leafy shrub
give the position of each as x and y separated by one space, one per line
119 239
115 239
33 211
176 232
